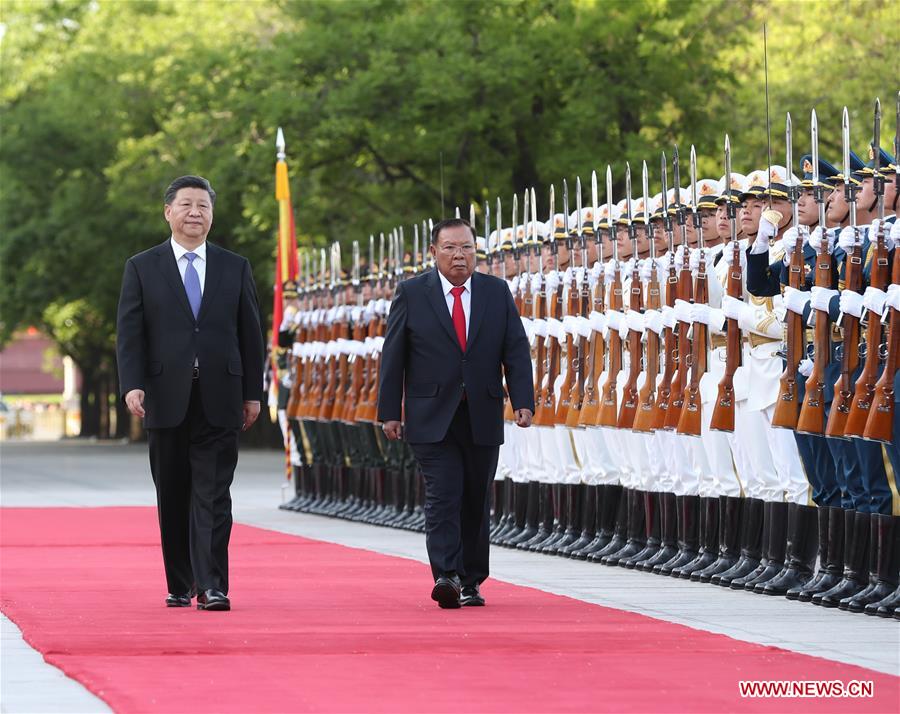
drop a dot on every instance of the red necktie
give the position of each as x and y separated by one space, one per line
459 317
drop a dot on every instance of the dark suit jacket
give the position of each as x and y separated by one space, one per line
421 355
158 337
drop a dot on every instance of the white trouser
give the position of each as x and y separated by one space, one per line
508 455
570 462
752 429
721 478
676 460
550 469
788 466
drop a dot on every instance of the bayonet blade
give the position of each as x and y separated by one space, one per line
676 170
845 145
457 212
693 173
525 205
499 220
487 224
789 155
355 277
595 200
533 214
579 226
566 208
415 257
814 137
472 216
876 136
645 187
609 213
628 191
515 218
552 211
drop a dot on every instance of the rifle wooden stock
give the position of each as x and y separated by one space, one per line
880 424
722 418
787 406
670 355
628 410
864 393
583 347
569 383
608 413
594 366
679 379
645 419
812 413
689 421
843 388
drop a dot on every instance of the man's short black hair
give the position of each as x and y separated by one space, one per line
449 223
189 182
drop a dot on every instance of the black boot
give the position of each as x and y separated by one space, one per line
822 515
573 519
498 507
802 544
885 543
532 513
544 518
520 509
840 527
887 567
856 561
668 527
637 536
709 539
775 539
887 607
620 528
509 522
729 539
688 535
751 543
608 497
558 527
652 528
588 520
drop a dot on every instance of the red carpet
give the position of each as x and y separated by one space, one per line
320 627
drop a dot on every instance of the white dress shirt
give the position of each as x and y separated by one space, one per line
182 262
466 297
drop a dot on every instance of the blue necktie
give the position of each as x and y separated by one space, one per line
192 284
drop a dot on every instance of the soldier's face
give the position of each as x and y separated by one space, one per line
623 242
836 208
723 226
454 253
751 211
482 267
509 261
807 211
890 194
866 196
643 238
783 206
708 221
690 232
659 236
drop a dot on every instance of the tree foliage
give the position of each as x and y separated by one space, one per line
388 106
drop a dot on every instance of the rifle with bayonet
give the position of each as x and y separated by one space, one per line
669 338
578 309
596 349
723 413
812 413
635 304
608 414
683 292
547 408
878 278
843 388
879 426
787 406
565 390
645 419
689 422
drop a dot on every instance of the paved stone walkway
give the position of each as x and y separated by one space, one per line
88 474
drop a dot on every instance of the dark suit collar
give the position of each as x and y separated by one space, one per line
169 269
478 302
213 278
438 301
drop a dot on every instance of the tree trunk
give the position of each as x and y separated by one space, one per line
90 412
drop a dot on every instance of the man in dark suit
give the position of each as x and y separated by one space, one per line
190 358
451 336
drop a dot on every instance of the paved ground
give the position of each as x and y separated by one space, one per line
76 474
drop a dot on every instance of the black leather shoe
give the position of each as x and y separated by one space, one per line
446 592
213 600
471 597
178 600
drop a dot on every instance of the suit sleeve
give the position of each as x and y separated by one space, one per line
517 359
250 338
130 347
763 279
393 359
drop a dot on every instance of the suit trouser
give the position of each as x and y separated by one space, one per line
193 466
458 474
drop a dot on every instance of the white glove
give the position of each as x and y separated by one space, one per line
888 239
682 311
851 303
817 243
535 283
647 270
732 307
728 257
820 298
653 320
873 299
594 274
570 325
893 296
551 283
805 367
370 310
384 307
695 259
668 317
567 276
767 231
609 271
555 329
598 321
709 316
579 277
615 320
635 321
679 256
583 327
628 266
895 232
796 300
540 327
514 285
790 240
848 238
